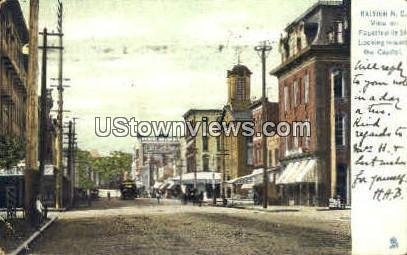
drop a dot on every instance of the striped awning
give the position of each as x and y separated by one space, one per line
300 171
247 186
157 185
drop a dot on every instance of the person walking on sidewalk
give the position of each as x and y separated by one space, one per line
158 196
200 199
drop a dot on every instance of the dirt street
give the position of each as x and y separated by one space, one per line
143 227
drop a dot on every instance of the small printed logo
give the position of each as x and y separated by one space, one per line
393 243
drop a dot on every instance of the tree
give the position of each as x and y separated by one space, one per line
85 163
12 151
110 168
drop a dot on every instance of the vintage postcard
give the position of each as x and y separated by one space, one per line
203 127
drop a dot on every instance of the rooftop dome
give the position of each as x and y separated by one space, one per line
240 70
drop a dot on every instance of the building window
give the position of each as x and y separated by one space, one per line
293 46
218 146
205 162
299 44
340 129
240 95
339 32
306 88
336 33
339 88
286 98
258 156
205 142
295 93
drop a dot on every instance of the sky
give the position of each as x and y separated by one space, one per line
155 59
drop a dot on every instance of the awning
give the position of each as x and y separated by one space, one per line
164 185
301 171
171 186
139 184
157 185
201 178
255 177
247 186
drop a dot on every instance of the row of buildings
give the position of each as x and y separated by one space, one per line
313 85
13 108
13 73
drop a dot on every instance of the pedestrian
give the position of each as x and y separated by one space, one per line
193 197
40 211
201 196
108 195
158 195
88 197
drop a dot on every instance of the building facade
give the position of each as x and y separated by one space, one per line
155 158
202 151
236 149
271 114
314 86
13 69
265 111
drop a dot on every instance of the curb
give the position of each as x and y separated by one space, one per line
25 245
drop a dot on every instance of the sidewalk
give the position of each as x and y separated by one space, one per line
321 213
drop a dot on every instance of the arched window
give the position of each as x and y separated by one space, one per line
240 88
338 83
205 143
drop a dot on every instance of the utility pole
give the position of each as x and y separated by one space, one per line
195 166
263 49
44 106
69 155
180 166
73 155
31 173
213 181
223 154
60 88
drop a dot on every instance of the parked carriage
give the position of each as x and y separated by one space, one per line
128 190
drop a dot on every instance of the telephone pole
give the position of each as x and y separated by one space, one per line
60 88
263 49
70 155
31 173
213 181
44 106
223 154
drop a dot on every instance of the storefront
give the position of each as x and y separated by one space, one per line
299 182
204 181
251 186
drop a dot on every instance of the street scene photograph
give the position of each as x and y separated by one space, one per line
176 127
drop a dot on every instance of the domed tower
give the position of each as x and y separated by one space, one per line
238 80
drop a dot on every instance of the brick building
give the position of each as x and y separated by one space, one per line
257 115
13 68
314 86
272 149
